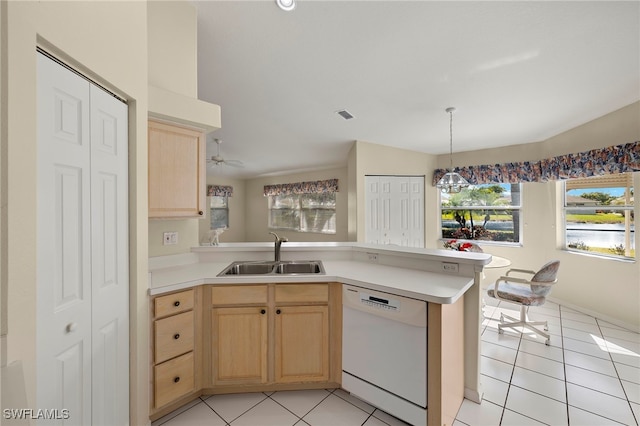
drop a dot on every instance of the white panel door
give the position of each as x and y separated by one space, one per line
109 259
394 210
82 240
63 244
372 232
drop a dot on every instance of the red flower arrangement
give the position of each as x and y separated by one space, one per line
456 245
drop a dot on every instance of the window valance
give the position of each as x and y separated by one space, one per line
219 191
314 187
596 162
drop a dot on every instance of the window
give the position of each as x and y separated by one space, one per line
219 212
303 212
489 212
598 215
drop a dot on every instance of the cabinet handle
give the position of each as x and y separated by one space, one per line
71 327
263 311
176 380
278 311
200 212
176 336
176 303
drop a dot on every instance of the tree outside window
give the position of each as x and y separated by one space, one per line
303 212
489 212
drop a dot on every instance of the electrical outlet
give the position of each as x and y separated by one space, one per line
449 267
169 238
373 257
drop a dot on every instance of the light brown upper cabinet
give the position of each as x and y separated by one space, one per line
177 171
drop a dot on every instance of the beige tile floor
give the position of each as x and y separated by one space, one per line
589 375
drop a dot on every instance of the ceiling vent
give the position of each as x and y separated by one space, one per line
345 114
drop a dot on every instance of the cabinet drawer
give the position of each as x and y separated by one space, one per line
173 303
173 336
239 295
287 293
174 379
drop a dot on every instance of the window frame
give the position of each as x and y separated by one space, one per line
225 208
518 208
300 209
622 180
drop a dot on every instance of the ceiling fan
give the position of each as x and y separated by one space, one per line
217 160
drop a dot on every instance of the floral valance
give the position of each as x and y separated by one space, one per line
314 187
596 162
219 191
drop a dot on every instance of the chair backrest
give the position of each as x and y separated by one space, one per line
546 274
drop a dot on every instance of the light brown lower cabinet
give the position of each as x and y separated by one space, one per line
302 344
283 338
239 345
245 338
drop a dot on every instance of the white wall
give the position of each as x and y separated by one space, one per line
108 42
605 287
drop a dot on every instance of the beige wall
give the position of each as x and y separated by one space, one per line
608 288
108 42
257 206
173 47
372 159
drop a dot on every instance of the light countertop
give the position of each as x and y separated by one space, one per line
415 273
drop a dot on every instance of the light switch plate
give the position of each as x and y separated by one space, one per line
169 238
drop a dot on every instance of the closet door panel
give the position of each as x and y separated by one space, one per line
109 252
64 240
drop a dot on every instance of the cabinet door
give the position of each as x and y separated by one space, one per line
302 344
239 345
177 171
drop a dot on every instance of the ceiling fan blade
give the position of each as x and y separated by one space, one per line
234 163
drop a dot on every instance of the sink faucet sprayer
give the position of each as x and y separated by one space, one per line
278 243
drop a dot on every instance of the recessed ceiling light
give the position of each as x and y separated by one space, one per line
286 4
345 114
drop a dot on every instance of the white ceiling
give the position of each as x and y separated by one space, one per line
517 72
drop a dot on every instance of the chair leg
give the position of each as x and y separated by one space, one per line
523 322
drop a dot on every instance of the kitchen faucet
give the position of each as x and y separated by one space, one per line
278 243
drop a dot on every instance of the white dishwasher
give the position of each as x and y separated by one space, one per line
384 351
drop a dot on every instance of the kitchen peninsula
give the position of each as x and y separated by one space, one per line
246 333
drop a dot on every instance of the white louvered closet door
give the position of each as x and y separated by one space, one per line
82 317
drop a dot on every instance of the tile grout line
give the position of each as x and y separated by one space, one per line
615 367
513 369
312 408
564 368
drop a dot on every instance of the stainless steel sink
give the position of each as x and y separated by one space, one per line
249 268
272 268
305 267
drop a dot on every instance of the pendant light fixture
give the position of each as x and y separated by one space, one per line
451 182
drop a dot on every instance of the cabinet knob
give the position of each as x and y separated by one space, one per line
71 327
176 303
263 311
200 212
176 336
176 380
278 311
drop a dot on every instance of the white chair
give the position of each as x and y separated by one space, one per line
525 292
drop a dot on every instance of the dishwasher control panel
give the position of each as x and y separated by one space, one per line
379 302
